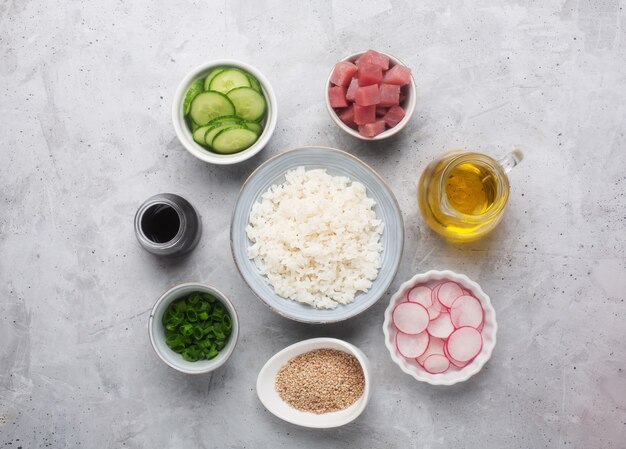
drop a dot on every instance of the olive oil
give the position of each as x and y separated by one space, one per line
462 196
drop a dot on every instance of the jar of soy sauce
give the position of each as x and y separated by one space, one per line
167 225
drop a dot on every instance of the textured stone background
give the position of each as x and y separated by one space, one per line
86 91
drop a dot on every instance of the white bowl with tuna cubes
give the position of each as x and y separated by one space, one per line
370 95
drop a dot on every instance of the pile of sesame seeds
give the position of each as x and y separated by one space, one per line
321 381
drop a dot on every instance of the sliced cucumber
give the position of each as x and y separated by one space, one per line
211 75
229 79
198 134
254 126
254 83
209 105
193 90
215 130
249 104
233 140
193 125
225 119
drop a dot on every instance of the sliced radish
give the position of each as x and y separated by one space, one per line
448 292
466 311
410 317
454 362
435 310
434 292
441 327
421 295
436 364
412 346
435 346
464 344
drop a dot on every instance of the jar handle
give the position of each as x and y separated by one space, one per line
511 160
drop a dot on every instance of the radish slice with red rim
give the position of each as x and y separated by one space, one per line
448 292
435 346
464 344
441 327
466 311
412 346
434 292
436 364
435 310
454 362
410 318
421 295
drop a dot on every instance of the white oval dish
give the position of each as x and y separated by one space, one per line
408 104
269 397
453 375
184 133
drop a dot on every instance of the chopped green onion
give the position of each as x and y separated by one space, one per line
197 326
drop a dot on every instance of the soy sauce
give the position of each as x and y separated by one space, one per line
160 223
167 225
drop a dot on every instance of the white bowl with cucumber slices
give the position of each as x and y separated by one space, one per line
224 112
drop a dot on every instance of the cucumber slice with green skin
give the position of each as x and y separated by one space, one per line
196 87
193 125
215 130
254 83
225 119
249 104
211 75
198 134
233 140
210 105
229 79
254 126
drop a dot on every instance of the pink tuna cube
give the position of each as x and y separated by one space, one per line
394 115
364 114
372 129
347 116
373 57
381 111
398 75
389 95
369 74
343 73
354 83
337 97
367 95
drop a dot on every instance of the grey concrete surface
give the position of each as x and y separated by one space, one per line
85 92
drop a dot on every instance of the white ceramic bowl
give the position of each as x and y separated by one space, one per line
408 104
184 133
157 331
265 386
453 375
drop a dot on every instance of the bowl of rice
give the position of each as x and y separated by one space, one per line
317 235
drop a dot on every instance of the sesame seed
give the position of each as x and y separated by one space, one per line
321 381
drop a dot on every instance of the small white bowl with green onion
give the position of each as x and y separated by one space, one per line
193 328
224 112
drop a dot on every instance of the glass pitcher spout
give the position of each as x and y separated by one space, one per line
511 160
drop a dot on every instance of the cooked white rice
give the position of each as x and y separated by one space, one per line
316 238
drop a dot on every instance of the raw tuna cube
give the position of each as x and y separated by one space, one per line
372 129
373 57
347 116
337 97
394 115
364 114
369 74
389 94
381 111
398 75
343 73
367 95
352 89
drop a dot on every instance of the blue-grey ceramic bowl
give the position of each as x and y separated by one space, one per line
336 162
